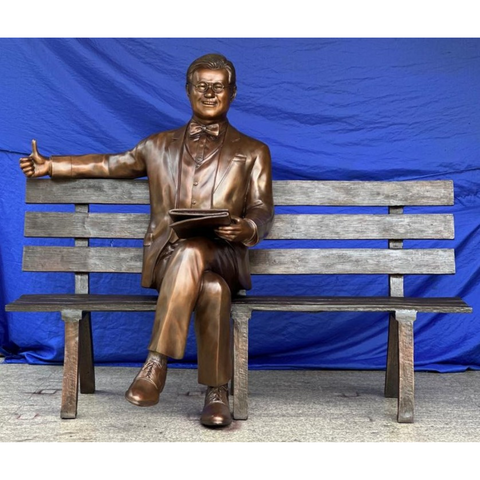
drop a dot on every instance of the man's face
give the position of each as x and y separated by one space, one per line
210 107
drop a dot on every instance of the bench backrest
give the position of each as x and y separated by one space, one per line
391 225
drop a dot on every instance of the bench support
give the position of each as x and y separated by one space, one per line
240 316
87 372
391 373
72 320
395 289
78 361
405 319
82 286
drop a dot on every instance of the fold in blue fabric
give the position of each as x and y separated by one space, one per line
330 109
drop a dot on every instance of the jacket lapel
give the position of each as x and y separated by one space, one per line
227 154
173 152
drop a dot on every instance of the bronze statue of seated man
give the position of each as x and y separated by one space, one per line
206 164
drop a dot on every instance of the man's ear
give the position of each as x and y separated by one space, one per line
187 89
234 94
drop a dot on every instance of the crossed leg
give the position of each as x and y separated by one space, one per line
199 276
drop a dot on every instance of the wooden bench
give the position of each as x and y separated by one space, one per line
393 261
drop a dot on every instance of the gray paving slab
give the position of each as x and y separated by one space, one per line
285 406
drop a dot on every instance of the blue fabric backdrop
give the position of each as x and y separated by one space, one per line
331 109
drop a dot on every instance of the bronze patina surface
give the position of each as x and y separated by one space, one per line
205 164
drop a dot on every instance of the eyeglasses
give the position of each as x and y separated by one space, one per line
204 87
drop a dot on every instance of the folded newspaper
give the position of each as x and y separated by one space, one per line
189 222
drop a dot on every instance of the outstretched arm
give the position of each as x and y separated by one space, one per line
129 164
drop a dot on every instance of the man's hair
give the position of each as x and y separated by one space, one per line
213 61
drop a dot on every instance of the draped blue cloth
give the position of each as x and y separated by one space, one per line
330 109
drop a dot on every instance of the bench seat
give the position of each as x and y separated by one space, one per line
147 303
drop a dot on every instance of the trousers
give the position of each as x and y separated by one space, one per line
196 275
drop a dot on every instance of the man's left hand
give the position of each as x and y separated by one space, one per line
238 231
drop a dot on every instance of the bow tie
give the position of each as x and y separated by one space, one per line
196 129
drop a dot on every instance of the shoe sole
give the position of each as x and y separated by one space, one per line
216 425
140 404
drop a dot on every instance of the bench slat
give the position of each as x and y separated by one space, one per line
370 304
353 193
352 261
91 225
275 261
135 192
117 303
134 225
101 191
72 259
362 227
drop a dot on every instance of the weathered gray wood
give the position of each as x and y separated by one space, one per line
370 304
82 286
289 192
81 279
71 259
395 289
278 261
134 225
82 283
71 364
79 242
360 226
352 261
147 303
406 388
101 191
402 193
241 317
93 225
88 303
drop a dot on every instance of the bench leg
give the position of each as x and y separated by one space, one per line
87 371
240 316
72 320
405 319
391 374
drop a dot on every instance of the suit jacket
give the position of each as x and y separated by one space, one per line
243 185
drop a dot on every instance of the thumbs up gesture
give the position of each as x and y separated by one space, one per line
35 165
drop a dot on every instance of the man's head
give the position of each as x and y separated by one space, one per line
211 87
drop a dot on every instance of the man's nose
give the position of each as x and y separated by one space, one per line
209 91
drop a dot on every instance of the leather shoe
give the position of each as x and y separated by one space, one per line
148 384
216 412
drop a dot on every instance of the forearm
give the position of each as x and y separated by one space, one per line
79 166
123 165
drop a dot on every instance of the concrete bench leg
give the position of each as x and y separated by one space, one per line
240 316
405 319
72 320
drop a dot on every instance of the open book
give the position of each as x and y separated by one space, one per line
189 222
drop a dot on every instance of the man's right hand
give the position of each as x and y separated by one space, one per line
35 165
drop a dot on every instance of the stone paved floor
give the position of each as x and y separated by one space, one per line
285 406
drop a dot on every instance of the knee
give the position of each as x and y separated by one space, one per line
214 286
